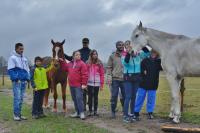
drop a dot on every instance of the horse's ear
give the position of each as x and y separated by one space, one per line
140 26
63 42
52 41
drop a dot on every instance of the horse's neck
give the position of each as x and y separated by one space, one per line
162 42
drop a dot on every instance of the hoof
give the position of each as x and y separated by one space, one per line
64 110
176 120
47 106
55 110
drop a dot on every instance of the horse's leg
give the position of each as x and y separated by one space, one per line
182 90
174 83
55 96
64 96
46 98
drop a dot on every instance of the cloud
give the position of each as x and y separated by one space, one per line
36 22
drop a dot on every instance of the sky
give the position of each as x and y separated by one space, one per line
35 22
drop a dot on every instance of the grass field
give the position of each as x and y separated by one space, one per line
191 110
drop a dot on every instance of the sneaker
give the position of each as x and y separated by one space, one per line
126 119
35 117
95 113
23 118
137 118
75 115
133 118
16 118
42 115
113 116
82 116
150 116
90 114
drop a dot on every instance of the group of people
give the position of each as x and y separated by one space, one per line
131 73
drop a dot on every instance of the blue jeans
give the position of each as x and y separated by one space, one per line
77 97
130 94
151 99
18 95
116 85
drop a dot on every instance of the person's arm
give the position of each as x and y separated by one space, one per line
84 75
12 70
101 76
109 70
67 57
63 65
160 66
32 77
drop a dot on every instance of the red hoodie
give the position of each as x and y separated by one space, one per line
77 72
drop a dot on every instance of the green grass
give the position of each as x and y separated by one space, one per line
51 124
57 123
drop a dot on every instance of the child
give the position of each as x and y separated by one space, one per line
95 80
150 68
39 83
77 77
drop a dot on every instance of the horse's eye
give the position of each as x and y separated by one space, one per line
136 36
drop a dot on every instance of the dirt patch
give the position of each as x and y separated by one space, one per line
115 125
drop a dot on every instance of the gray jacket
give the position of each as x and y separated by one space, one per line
114 70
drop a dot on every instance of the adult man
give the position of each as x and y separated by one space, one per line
115 76
18 70
85 52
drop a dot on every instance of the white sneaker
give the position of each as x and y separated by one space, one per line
75 115
16 118
82 116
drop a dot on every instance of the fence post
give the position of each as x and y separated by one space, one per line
3 78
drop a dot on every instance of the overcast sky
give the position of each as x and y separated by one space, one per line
36 22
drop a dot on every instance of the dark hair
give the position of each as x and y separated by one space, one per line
75 53
119 42
85 40
17 45
38 58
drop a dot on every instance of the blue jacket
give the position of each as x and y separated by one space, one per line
132 64
18 68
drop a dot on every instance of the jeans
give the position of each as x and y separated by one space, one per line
116 85
151 99
37 102
130 94
77 97
93 92
18 95
85 93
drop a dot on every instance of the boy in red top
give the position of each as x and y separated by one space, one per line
77 77
95 80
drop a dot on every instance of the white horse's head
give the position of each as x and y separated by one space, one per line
138 38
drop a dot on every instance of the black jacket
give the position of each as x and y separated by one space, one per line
85 52
150 69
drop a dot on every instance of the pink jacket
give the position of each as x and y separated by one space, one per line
96 75
77 72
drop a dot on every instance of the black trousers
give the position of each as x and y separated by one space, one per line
85 93
93 92
37 102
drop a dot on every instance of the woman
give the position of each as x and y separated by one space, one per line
77 77
95 80
132 77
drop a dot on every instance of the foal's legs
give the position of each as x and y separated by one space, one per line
63 85
174 83
55 96
45 100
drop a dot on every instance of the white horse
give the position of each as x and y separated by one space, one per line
180 56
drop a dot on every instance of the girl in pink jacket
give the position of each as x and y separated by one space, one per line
95 80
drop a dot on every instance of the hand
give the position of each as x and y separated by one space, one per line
60 59
101 88
35 89
83 87
109 82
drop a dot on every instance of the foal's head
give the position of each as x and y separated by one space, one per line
58 52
